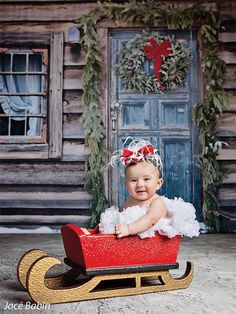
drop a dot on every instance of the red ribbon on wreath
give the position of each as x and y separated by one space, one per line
157 52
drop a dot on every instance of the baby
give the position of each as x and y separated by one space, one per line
146 212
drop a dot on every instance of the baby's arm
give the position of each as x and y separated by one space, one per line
157 209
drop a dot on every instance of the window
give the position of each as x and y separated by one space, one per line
23 95
31 95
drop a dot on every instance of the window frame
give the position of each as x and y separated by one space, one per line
53 147
43 75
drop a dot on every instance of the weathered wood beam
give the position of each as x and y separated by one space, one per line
42 173
227 37
55 95
72 127
72 101
43 219
74 200
227 125
227 56
58 12
73 151
227 154
20 151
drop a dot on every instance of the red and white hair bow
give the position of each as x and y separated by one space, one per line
137 150
130 156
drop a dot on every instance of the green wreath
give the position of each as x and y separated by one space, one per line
133 70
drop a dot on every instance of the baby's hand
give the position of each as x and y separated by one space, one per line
122 230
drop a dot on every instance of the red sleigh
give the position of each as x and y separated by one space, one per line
103 266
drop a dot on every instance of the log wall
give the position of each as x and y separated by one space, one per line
49 192
227 124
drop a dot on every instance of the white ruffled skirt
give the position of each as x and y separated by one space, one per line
181 219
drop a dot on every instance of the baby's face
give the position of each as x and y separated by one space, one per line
142 180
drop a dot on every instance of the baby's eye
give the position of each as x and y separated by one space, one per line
133 180
147 179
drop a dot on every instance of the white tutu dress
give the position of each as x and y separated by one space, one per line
181 219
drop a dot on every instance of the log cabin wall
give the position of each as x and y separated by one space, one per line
51 191
227 123
48 191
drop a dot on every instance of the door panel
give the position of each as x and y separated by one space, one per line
174 115
165 120
135 115
176 170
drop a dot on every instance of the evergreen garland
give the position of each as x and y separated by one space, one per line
151 14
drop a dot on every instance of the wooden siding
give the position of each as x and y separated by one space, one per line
44 192
54 190
227 124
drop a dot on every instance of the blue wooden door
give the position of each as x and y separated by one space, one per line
163 119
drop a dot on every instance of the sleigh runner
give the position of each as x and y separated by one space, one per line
103 266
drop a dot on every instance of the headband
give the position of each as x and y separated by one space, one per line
137 150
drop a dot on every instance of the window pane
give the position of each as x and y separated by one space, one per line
34 127
18 127
4 125
5 61
14 84
35 63
19 63
19 84
34 83
35 102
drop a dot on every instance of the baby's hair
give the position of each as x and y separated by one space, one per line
138 150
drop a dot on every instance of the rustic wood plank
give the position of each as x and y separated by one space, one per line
73 78
37 27
226 154
227 192
229 166
55 117
230 71
227 37
73 84
230 169
231 47
48 196
73 56
45 211
74 200
24 151
72 101
229 77
28 38
45 174
37 12
227 10
43 219
39 1
227 56
74 151
231 142
230 178
72 127
227 125
71 72
41 188
230 204
232 107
